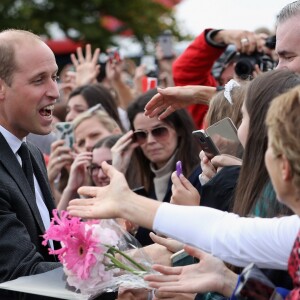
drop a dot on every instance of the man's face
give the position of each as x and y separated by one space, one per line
27 104
288 44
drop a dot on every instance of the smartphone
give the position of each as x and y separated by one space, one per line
181 258
64 131
178 168
224 135
206 143
165 41
114 55
151 67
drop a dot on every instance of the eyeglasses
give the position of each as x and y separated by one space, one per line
93 169
159 133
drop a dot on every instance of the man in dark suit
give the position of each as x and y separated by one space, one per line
28 92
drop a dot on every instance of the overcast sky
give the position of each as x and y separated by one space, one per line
196 15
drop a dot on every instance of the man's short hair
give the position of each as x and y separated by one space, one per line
9 39
288 11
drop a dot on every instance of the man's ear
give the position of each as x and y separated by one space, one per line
286 170
2 89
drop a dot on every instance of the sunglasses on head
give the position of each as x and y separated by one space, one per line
159 133
94 168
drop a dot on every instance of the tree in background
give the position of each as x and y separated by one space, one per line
92 21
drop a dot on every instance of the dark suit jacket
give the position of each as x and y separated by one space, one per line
21 225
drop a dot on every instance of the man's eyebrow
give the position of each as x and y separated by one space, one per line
284 52
44 73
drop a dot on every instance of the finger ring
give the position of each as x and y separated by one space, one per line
244 41
59 158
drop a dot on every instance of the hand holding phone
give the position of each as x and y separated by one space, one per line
114 55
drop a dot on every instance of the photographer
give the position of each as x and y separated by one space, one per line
195 65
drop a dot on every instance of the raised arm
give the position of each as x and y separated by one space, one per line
170 99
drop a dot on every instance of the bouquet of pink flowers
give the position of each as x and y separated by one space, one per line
95 254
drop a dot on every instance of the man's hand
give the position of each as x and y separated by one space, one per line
108 202
102 202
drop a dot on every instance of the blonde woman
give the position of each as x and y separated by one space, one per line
89 128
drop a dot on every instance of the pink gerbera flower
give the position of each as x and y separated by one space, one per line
81 250
61 227
87 251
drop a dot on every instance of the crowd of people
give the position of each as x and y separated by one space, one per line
127 138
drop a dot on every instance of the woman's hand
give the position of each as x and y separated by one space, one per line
208 169
60 157
224 160
122 151
78 172
87 67
171 244
167 100
209 275
211 167
183 192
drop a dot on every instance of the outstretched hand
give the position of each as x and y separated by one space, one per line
115 200
101 202
164 103
171 244
167 100
210 274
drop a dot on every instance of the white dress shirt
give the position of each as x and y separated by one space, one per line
15 144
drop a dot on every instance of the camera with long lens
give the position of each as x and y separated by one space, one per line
245 64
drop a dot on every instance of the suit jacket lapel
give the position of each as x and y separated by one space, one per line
13 167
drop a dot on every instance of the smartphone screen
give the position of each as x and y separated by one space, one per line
224 135
165 42
151 67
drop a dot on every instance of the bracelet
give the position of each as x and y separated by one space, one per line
209 39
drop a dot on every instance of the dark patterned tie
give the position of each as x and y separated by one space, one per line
26 164
294 270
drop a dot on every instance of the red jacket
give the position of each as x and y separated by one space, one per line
193 67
